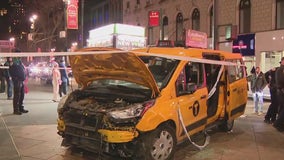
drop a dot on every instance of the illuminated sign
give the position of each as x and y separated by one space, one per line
118 35
196 39
244 44
165 43
154 18
72 14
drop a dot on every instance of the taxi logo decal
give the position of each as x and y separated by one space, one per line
195 108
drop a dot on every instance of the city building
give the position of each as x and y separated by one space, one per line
259 24
99 13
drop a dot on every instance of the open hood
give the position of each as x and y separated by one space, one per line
117 66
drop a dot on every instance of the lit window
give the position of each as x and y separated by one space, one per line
164 27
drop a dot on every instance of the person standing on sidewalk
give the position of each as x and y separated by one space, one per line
17 72
258 83
8 77
279 77
64 78
2 79
272 111
56 81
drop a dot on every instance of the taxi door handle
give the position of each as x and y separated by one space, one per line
203 96
234 90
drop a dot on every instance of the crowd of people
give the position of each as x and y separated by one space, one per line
274 78
13 79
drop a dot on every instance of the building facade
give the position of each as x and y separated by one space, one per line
264 19
99 13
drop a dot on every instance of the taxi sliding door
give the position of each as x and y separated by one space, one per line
236 90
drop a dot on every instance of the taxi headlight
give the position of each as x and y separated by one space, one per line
132 112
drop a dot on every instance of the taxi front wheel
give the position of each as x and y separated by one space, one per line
160 144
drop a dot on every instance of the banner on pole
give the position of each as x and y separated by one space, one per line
72 14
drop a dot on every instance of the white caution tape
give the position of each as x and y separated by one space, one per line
40 68
43 54
179 57
213 90
188 136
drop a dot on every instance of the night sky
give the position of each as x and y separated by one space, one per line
4 21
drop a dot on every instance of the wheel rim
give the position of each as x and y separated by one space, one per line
163 146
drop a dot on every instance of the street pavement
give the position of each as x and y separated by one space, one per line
32 136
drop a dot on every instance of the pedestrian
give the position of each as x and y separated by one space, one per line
64 78
2 79
272 111
17 72
8 78
56 81
258 83
279 77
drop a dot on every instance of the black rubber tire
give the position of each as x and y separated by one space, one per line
227 125
159 144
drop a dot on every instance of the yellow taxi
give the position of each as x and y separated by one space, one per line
140 104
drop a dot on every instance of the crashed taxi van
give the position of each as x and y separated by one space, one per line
140 104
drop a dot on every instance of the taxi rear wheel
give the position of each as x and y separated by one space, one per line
160 144
227 125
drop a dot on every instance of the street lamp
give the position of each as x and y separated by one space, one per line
3 11
32 19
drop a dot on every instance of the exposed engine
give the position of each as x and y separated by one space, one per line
84 114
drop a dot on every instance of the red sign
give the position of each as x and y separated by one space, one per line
72 14
154 18
196 39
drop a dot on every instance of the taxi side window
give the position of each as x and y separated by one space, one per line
236 72
190 79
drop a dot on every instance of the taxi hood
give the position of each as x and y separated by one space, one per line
117 66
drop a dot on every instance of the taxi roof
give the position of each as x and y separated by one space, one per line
189 52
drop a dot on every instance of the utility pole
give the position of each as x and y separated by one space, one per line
215 35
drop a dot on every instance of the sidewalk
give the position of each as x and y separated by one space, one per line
8 149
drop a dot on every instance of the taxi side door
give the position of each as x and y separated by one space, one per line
236 89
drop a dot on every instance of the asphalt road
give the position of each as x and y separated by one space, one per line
32 136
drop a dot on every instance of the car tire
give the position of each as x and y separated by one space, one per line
227 125
159 144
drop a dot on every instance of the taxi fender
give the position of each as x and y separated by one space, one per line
151 120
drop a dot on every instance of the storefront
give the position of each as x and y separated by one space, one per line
269 49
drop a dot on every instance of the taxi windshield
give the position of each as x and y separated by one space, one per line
161 68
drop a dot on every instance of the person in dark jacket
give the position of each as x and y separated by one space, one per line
2 79
279 77
17 72
258 83
272 111
8 77
64 78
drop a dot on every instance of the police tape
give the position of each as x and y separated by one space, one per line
178 57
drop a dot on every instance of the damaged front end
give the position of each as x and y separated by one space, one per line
103 119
